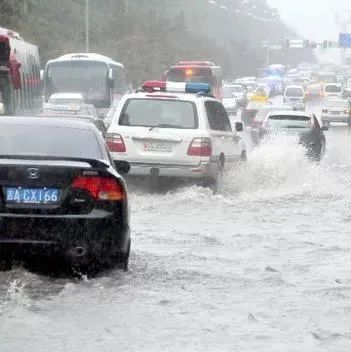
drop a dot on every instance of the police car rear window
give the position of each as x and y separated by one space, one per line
164 113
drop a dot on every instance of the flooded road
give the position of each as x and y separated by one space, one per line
262 265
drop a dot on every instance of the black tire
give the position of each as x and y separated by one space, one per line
213 183
243 156
123 261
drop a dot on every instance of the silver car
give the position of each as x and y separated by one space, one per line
336 110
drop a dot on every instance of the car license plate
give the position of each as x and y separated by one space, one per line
32 195
336 112
158 147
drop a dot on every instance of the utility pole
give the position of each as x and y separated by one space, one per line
87 40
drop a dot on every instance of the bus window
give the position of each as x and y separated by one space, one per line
120 84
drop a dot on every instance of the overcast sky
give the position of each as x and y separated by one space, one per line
314 19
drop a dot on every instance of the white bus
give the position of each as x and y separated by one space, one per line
98 78
20 84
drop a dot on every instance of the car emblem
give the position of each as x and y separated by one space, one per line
33 173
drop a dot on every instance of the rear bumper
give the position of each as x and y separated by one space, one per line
336 118
40 235
202 170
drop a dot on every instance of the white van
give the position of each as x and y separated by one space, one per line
333 90
294 95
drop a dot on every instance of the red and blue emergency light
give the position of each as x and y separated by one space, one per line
176 87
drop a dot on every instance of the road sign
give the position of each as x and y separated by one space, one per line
345 40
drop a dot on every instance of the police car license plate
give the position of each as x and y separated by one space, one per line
32 195
158 147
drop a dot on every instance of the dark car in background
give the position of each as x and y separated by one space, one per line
60 194
304 125
261 116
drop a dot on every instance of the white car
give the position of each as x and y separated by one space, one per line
234 97
295 96
336 110
333 90
175 130
66 98
71 109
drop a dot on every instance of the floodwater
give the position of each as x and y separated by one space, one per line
262 265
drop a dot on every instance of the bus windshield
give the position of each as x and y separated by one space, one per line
211 75
86 77
183 74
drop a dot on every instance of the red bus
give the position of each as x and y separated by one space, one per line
20 83
197 71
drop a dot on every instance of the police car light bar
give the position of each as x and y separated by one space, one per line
176 87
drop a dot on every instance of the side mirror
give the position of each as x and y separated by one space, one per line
325 128
239 126
101 115
123 167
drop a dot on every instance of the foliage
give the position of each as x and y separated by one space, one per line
146 35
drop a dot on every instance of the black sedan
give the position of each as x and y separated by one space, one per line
305 126
60 194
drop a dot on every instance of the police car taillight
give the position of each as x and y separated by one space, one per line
115 143
176 87
200 147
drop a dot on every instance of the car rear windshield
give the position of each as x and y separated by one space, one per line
262 113
294 92
289 121
48 141
332 88
164 113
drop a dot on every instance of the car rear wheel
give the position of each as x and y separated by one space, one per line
213 183
243 156
123 261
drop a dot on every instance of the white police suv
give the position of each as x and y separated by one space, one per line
175 129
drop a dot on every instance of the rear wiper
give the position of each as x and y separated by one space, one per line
164 125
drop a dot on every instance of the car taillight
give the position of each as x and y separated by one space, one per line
115 143
100 188
200 147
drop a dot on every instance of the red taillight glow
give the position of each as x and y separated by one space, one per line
151 86
200 147
115 143
101 188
